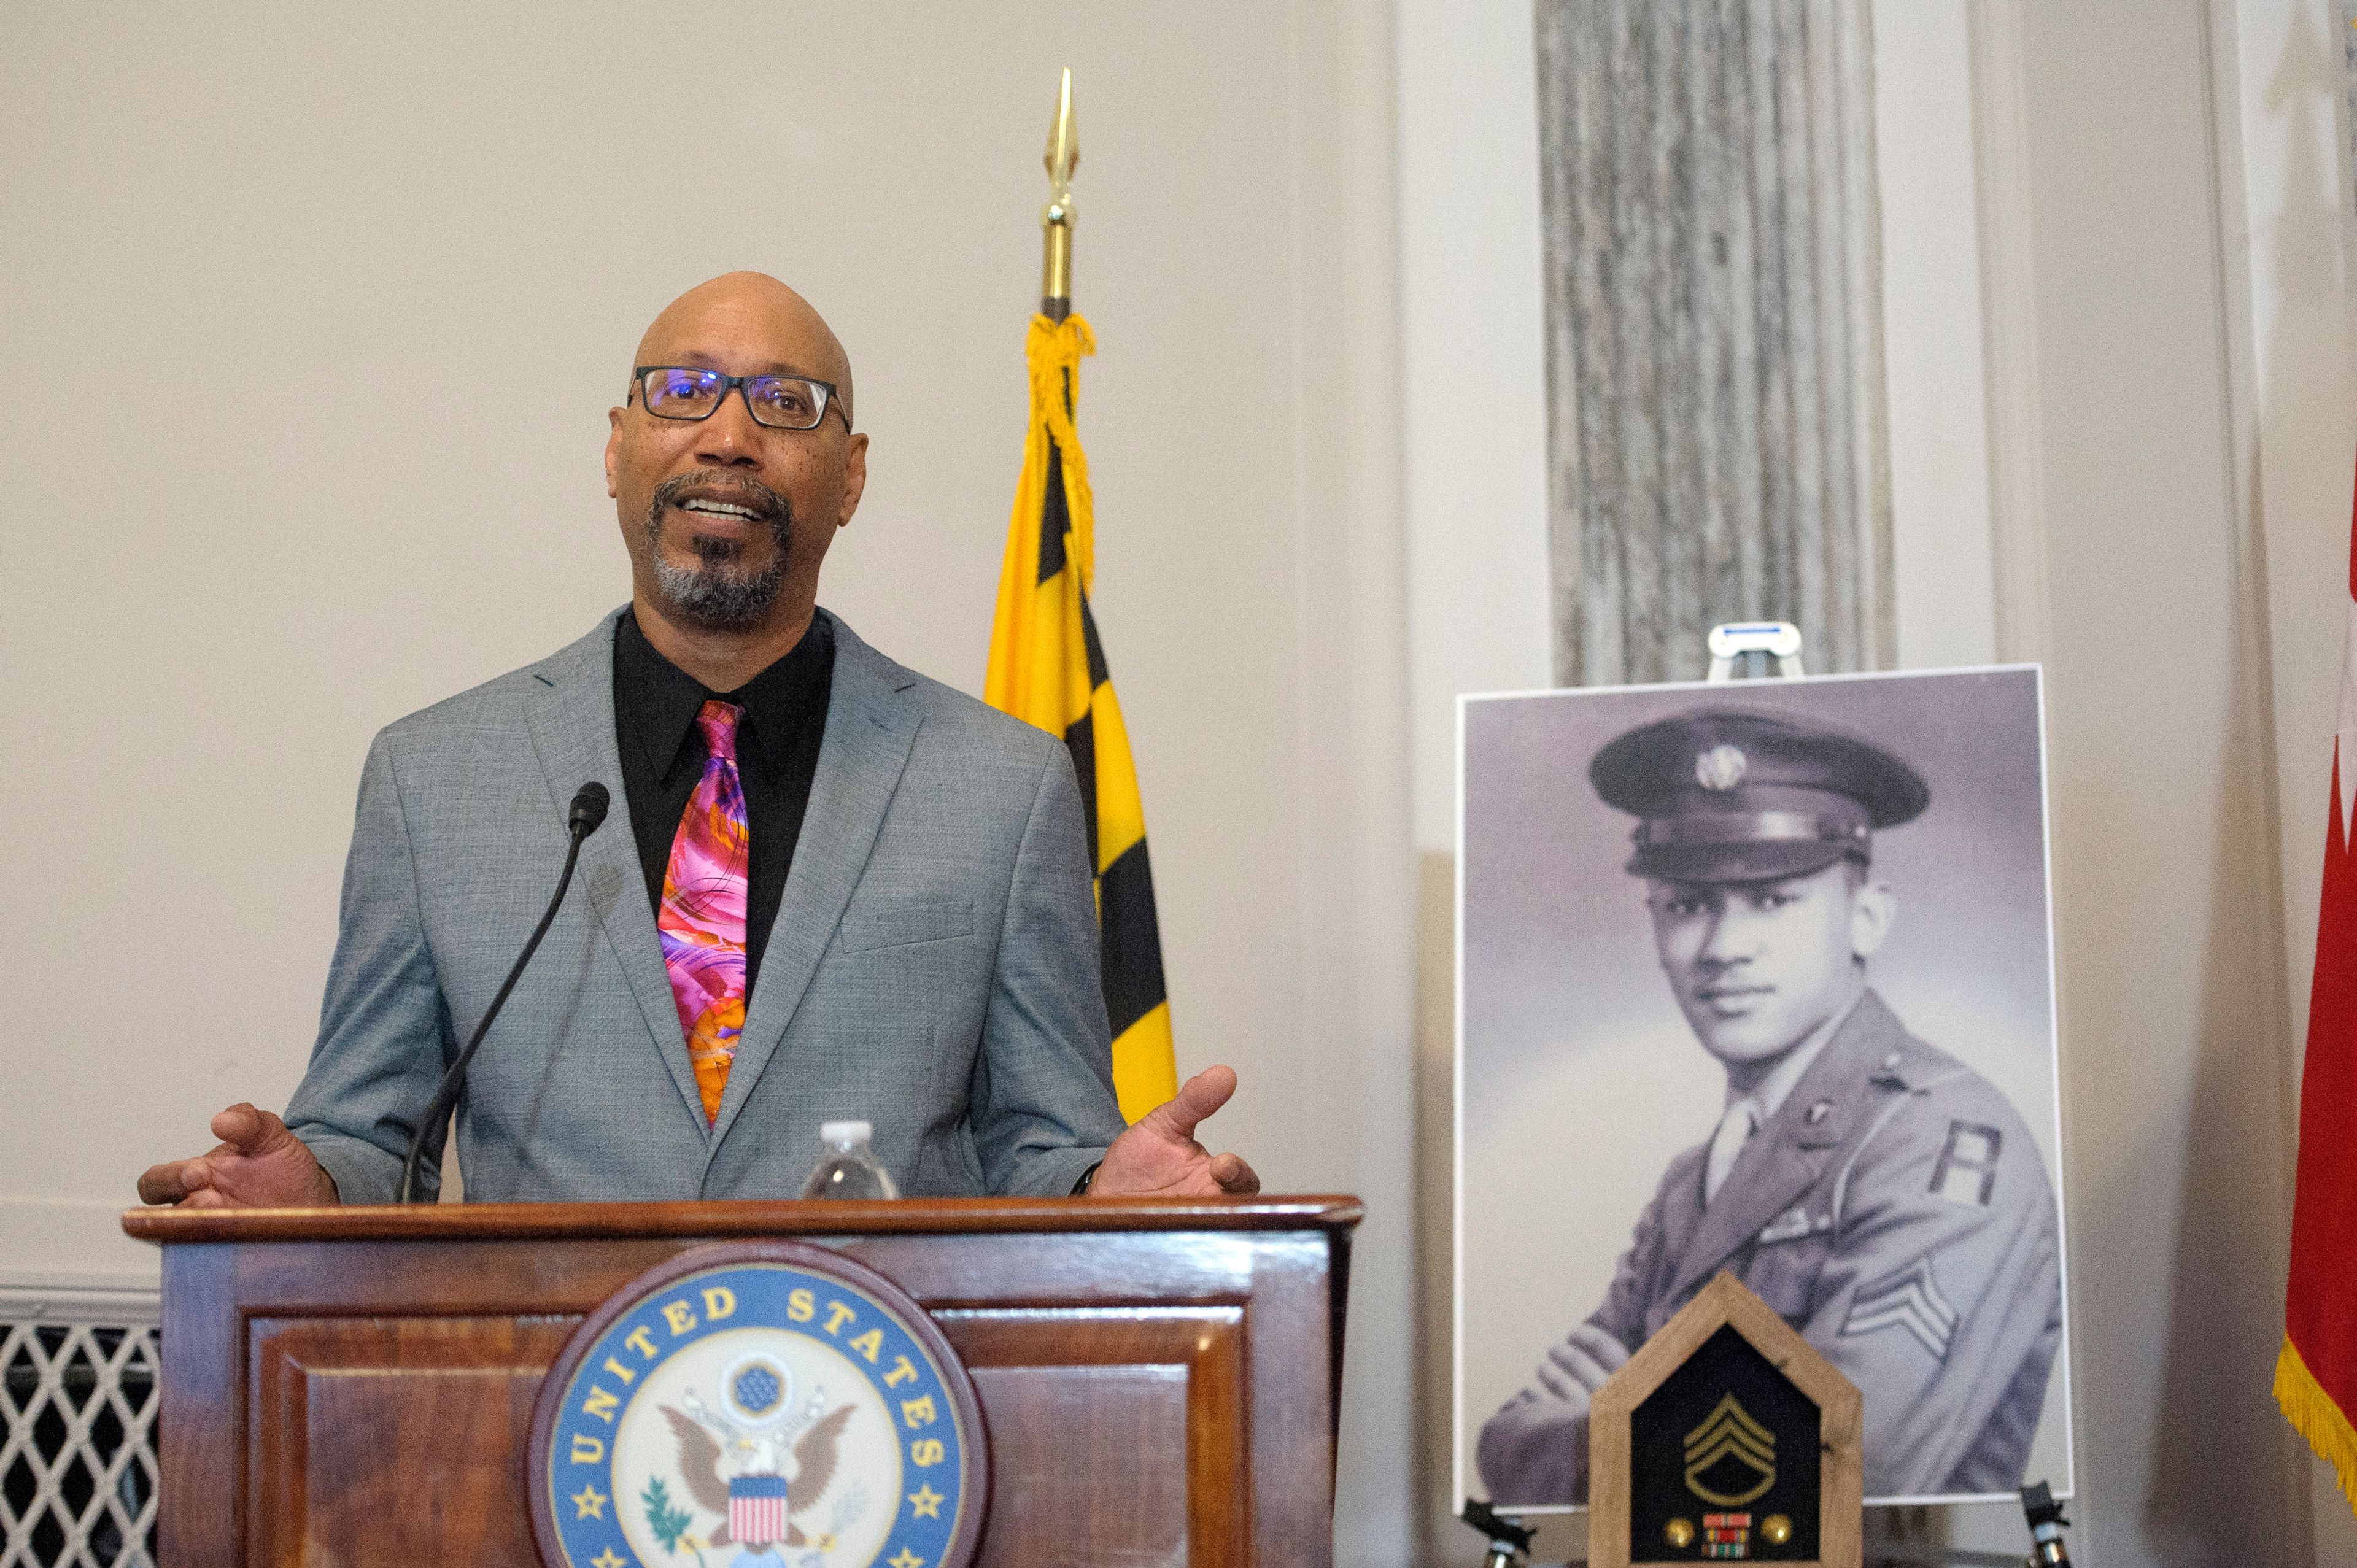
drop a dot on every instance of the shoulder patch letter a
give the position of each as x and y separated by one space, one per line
1967 1169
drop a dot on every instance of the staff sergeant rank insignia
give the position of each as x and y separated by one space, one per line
757 1405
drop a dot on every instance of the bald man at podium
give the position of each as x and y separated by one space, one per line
834 889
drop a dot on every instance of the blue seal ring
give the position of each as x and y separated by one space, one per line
790 1287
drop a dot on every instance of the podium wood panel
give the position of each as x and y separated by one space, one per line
355 1386
1145 1405
368 1432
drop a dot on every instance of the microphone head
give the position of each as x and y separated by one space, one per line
589 804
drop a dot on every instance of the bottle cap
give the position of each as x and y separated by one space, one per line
845 1131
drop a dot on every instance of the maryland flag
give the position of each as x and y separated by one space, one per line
2316 1375
1047 667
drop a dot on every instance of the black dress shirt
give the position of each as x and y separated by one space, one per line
655 704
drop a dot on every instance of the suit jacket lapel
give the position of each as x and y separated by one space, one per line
870 725
571 715
1755 1193
1788 1156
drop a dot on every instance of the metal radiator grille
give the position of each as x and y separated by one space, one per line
76 1439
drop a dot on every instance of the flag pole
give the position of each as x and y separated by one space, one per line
1055 218
1048 667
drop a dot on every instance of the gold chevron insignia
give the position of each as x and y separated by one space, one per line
1730 1432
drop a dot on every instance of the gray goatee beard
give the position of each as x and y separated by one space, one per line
716 593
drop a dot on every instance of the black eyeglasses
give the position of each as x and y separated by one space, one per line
690 391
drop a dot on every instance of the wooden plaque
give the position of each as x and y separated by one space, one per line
1725 1438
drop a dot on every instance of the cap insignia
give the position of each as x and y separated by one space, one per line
1721 767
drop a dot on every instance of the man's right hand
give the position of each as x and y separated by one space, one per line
257 1165
1576 1369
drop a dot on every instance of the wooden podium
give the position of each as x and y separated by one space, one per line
355 1386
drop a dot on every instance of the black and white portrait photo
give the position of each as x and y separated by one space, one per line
1756 977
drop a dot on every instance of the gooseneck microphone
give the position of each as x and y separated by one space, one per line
589 804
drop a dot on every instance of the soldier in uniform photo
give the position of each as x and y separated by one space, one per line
1884 1197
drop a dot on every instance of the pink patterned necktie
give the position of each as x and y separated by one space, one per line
703 918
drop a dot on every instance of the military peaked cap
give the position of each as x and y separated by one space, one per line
1739 795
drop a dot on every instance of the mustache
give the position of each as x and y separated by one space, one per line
737 490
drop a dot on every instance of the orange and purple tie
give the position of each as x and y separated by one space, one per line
703 918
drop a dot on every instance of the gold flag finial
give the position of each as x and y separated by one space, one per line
1055 218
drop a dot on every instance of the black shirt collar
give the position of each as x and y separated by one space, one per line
660 700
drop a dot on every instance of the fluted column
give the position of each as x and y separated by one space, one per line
1716 428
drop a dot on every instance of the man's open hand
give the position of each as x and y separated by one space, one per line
257 1165
1159 1157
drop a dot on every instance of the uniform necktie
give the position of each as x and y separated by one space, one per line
1734 1128
702 922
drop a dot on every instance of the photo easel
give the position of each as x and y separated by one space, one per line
1754 643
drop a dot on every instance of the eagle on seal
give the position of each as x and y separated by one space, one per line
700 1467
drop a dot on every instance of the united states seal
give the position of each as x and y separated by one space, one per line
762 1405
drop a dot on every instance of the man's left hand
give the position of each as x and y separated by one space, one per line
1158 1157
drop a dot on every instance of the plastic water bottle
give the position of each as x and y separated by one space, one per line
848 1168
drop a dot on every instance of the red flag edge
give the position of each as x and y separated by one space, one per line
2315 1416
2319 1304
2316 1375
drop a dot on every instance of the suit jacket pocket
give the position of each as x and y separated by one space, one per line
899 925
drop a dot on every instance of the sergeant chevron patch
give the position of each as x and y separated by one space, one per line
1910 1300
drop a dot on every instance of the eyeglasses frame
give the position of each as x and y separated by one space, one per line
741 386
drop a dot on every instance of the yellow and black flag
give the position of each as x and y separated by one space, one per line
1047 667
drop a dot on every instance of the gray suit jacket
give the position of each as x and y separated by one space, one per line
933 969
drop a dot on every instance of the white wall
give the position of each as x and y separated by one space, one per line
1473 353
1473 439
1934 375
260 254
